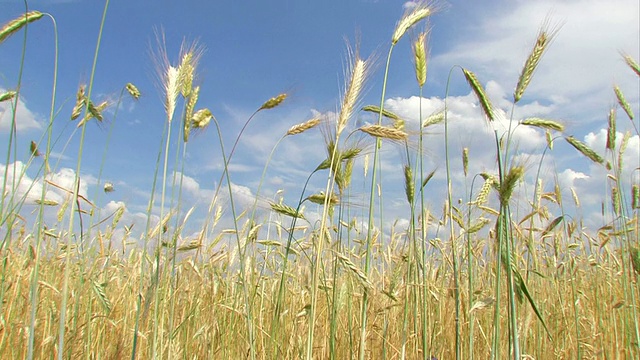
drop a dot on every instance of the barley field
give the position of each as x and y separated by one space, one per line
506 266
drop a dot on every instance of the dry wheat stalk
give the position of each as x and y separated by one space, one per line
585 150
300 128
16 24
384 132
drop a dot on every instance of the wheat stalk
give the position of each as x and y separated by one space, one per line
465 160
408 184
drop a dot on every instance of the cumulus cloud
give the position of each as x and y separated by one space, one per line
25 118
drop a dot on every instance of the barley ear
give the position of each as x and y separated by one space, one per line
420 58
418 13
18 23
623 102
384 132
632 63
543 124
611 130
7 96
300 128
273 102
585 150
635 196
465 160
480 94
352 92
509 184
133 91
408 184
542 42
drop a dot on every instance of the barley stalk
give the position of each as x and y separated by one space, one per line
384 132
585 150
18 23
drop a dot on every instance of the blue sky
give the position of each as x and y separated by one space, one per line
255 50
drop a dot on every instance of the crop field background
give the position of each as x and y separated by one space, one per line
169 197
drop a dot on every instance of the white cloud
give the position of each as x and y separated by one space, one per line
25 118
580 64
